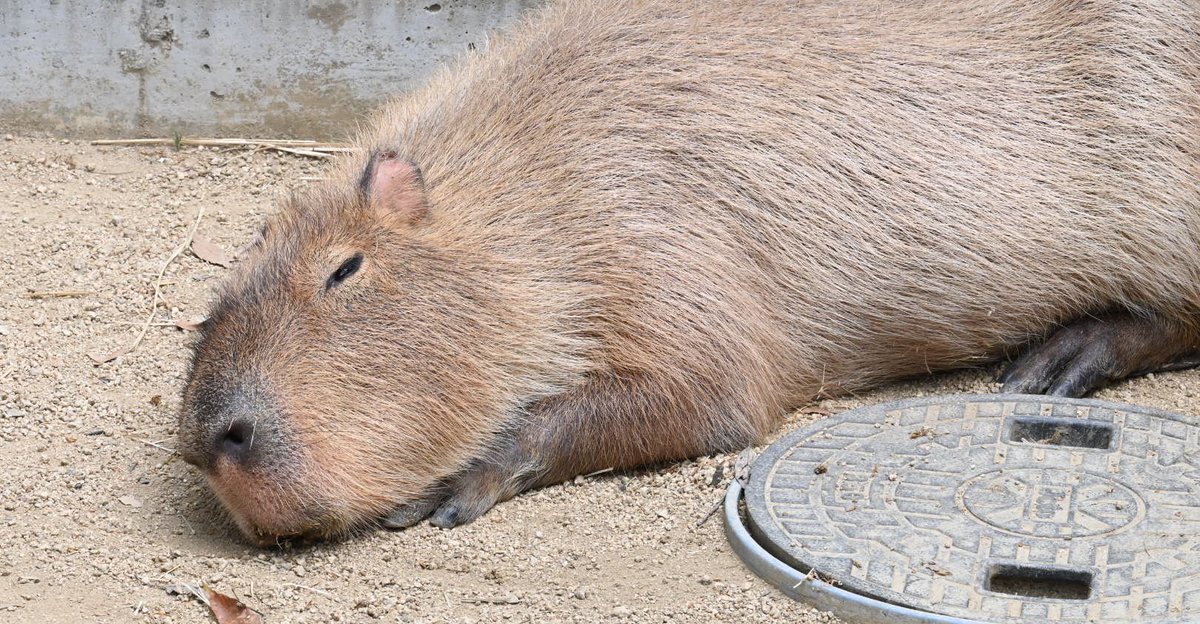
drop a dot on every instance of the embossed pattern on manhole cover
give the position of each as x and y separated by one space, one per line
999 508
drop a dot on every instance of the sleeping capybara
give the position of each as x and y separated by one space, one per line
638 231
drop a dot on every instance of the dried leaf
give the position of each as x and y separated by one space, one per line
208 251
937 569
230 610
101 358
921 433
189 326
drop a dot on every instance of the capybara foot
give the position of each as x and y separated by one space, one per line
482 486
463 508
1094 351
409 514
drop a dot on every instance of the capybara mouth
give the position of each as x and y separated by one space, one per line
266 532
266 511
324 526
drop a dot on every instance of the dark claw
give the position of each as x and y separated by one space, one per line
472 498
447 516
1028 375
1087 372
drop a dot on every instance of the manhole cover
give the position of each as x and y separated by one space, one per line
993 508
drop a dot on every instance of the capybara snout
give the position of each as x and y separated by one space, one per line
637 231
231 422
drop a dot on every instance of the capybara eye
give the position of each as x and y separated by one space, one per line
348 268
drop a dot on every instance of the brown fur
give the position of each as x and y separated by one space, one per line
648 229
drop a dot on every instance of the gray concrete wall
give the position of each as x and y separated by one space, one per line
282 68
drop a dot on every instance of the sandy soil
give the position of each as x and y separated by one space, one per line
97 516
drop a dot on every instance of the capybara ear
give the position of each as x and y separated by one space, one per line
393 188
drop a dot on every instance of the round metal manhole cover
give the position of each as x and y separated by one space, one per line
995 508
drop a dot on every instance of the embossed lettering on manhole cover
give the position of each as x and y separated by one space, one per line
998 508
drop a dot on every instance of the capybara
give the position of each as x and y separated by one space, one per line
637 231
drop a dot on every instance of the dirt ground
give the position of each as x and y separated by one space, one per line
98 517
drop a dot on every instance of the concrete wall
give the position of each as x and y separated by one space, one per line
282 68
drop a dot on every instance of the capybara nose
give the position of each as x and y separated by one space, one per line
232 424
237 441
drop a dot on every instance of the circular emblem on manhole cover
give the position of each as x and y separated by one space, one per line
994 508
1048 502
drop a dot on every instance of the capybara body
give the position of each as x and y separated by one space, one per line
638 231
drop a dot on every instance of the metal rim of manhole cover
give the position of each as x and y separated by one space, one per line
981 508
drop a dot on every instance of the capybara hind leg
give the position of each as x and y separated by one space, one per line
612 421
1093 351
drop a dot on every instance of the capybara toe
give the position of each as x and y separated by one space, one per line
409 514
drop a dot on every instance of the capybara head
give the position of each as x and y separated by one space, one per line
352 362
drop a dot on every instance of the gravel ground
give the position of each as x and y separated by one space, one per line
98 516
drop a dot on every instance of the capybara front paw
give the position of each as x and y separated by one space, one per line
481 486
462 508
409 514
